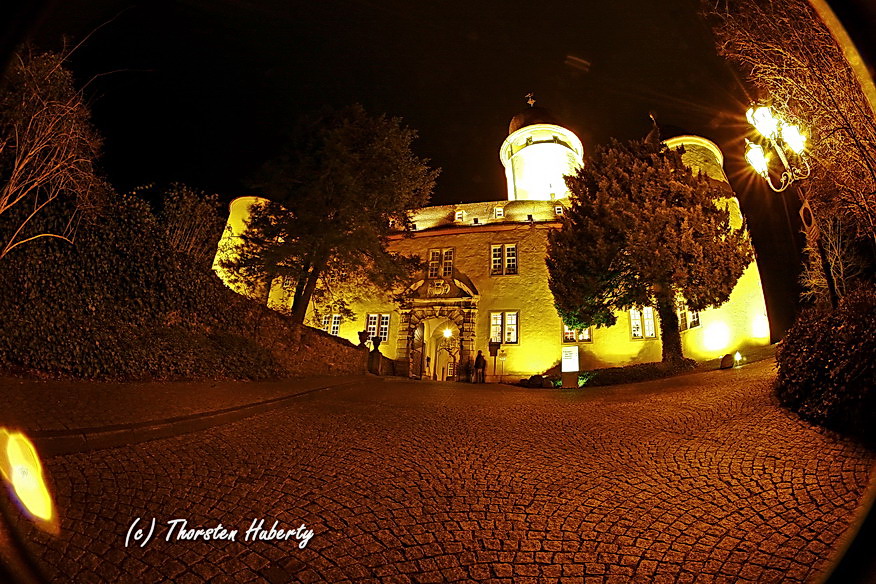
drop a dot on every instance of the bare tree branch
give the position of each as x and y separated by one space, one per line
47 148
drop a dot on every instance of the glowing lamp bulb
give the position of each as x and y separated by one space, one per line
794 138
757 158
763 121
448 333
22 469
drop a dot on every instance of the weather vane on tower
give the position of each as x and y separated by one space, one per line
530 99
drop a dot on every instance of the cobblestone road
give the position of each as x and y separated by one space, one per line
696 479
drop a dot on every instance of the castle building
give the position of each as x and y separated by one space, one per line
486 279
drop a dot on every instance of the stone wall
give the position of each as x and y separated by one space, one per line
303 350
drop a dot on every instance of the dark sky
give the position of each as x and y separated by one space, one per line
202 91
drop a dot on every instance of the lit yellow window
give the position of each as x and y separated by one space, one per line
331 323
642 323
503 327
503 259
584 335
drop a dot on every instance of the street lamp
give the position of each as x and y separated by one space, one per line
785 139
789 143
756 157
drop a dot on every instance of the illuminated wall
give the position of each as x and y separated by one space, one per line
472 229
741 322
238 214
536 158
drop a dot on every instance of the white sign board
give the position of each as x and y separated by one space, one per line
570 358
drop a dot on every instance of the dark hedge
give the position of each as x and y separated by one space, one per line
121 304
827 366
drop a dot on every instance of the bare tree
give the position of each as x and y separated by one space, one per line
788 53
845 264
48 149
192 223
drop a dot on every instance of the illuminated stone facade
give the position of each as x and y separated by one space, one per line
486 277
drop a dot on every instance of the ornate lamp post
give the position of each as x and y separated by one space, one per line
789 144
785 139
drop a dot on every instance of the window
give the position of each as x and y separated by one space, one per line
648 318
558 210
499 212
331 323
460 216
495 327
377 326
503 327
503 259
511 259
447 269
440 263
584 335
687 319
497 262
434 263
642 323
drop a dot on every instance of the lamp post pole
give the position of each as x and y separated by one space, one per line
789 144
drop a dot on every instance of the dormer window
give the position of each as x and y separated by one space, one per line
460 216
499 212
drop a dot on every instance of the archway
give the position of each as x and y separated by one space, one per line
442 348
427 337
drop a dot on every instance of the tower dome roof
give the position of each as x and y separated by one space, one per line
531 116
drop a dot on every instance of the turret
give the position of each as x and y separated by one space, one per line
537 154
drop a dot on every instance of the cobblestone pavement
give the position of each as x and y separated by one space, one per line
697 479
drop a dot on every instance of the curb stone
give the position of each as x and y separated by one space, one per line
52 443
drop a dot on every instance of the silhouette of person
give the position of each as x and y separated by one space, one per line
480 366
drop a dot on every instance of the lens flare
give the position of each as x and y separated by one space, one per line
22 470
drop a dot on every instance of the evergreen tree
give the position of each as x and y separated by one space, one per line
643 230
339 189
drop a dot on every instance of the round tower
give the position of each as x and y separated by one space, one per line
537 154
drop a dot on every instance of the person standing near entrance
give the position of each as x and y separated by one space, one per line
480 367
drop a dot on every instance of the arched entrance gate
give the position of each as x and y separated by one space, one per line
412 340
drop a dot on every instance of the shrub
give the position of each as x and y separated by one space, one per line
634 373
123 304
827 366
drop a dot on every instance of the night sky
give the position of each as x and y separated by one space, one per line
202 91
